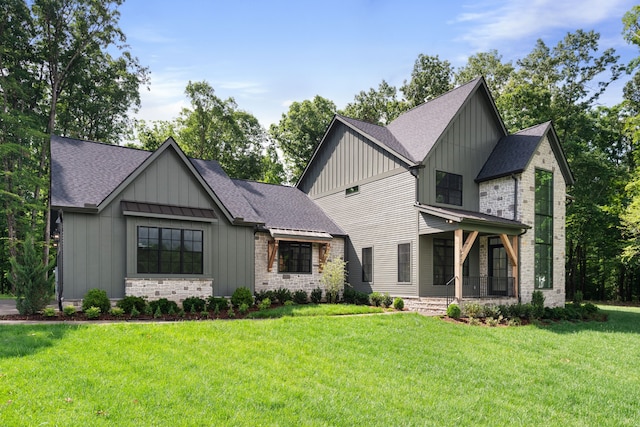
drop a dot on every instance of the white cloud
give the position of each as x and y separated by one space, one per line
166 97
518 19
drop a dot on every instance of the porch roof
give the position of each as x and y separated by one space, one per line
302 235
471 219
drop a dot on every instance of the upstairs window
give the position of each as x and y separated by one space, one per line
448 188
169 251
294 257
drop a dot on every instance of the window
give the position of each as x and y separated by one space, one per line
443 261
351 190
294 257
169 251
404 262
543 229
367 264
448 188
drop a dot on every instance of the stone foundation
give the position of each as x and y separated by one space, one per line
172 289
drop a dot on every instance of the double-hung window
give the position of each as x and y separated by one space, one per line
169 251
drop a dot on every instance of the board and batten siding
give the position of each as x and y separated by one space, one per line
380 215
347 158
100 249
462 150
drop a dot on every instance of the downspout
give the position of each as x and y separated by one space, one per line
515 218
59 261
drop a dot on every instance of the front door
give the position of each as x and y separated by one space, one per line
498 264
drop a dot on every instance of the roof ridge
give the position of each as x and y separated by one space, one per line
100 143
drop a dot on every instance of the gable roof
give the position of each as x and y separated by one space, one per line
286 208
513 153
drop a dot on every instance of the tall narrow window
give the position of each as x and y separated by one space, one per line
367 264
543 229
169 251
442 261
448 188
404 262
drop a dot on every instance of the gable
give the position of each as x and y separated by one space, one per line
344 158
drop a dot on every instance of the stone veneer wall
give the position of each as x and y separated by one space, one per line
172 289
273 280
496 198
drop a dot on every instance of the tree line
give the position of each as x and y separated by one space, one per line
65 68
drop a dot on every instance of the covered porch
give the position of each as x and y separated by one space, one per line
467 255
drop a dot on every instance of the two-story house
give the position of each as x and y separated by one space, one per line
443 200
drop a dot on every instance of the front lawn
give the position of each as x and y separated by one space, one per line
396 369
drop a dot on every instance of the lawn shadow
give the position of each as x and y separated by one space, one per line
621 319
25 340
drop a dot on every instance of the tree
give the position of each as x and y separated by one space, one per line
334 278
487 64
31 279
376 106
300 130
430 78
152 135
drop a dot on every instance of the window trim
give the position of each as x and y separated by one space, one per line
287 244
546 241
370 265
408 264
445 191
158 253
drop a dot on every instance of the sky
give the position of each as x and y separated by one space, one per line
268 54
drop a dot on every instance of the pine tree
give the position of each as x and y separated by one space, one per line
32 279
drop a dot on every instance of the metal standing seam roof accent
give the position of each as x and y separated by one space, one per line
155 208
460 215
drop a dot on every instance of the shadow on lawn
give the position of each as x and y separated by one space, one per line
620 319
24 340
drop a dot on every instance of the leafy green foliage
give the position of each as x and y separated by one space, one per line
96 298
129 302
398 303
537 302
375 299
453 311
69 310
334 274
430 78
473 309
283 295
92 312
218 303
264 304
243 309
242 295
116 311
191 304
300 297
49 312
33 281
163 306
316 295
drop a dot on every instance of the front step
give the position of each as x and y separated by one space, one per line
427 306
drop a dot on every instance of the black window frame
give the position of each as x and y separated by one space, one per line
404 263
295 257
367 264
170 251
543 230
448 188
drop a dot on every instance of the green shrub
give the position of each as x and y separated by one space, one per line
591 309
474 321
241 296
69 310
264 304
300 297
537 302
283 295
398 303
288 303
578 297
193 303
334 274
387 300
116 311
514 321
49 312
260 295
375 298
96 298
127 303
454 311
521 311
92 312
33 281
134 312
231 313
492 321
217 302
352 296
492 311
164 306
473 310
157 313
316 295
243 308
203 314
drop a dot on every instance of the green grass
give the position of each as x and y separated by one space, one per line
397 369
7 296
314 310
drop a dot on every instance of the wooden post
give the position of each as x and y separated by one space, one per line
457 263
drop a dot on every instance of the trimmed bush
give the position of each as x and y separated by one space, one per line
264 304
49 312
96 298
241 296
387 300
300 297
218 303
283 295
375 299
260 295
127 303
398 304
116 311
69 310
537 302
473 310
163 306
454 311
243 309
92 312
316 295
193 304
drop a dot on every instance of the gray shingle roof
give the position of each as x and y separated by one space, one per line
379 133
84 172
286 207
512 153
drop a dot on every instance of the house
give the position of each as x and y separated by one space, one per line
162 225
443 201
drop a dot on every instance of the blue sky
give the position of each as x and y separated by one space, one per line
267 54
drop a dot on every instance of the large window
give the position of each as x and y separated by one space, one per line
169 251
294 257
448 188
367 264
543 229
404 262
443 261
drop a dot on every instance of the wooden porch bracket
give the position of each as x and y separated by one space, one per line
272 250
511 247
467 245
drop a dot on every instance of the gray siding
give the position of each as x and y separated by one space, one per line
346 159
100 249
462 149
381 215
